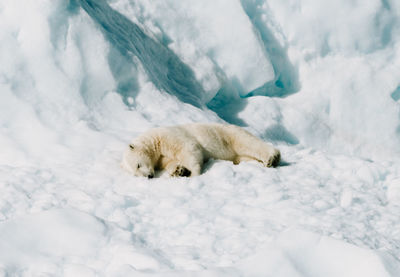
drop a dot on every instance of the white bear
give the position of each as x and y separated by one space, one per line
182 150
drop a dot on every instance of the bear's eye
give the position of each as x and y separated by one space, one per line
138 166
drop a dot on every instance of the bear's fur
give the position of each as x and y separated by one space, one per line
182 150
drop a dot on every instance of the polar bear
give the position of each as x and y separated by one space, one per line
182 150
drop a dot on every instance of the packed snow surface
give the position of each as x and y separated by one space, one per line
318 79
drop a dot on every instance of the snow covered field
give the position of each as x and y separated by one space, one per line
319 79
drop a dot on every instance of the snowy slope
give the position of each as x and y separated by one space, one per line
319 79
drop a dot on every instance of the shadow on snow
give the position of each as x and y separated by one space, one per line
163 66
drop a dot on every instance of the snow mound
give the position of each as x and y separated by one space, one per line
68 242
300 254
44 240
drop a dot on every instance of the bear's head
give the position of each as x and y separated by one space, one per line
137 161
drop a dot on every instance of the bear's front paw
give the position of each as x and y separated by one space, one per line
181 171
274 159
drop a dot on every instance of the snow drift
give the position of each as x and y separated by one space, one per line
331 71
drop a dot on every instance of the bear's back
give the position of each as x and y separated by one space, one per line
214 138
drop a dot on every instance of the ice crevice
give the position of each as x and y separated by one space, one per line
286 79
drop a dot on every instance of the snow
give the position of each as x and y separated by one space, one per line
196 31
319 79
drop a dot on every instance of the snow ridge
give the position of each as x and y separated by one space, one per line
163 66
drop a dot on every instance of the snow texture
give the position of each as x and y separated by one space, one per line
319 79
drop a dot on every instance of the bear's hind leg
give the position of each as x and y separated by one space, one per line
274 159
271 161
250 147
268 156
239 159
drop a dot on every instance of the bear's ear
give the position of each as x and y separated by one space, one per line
131 146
